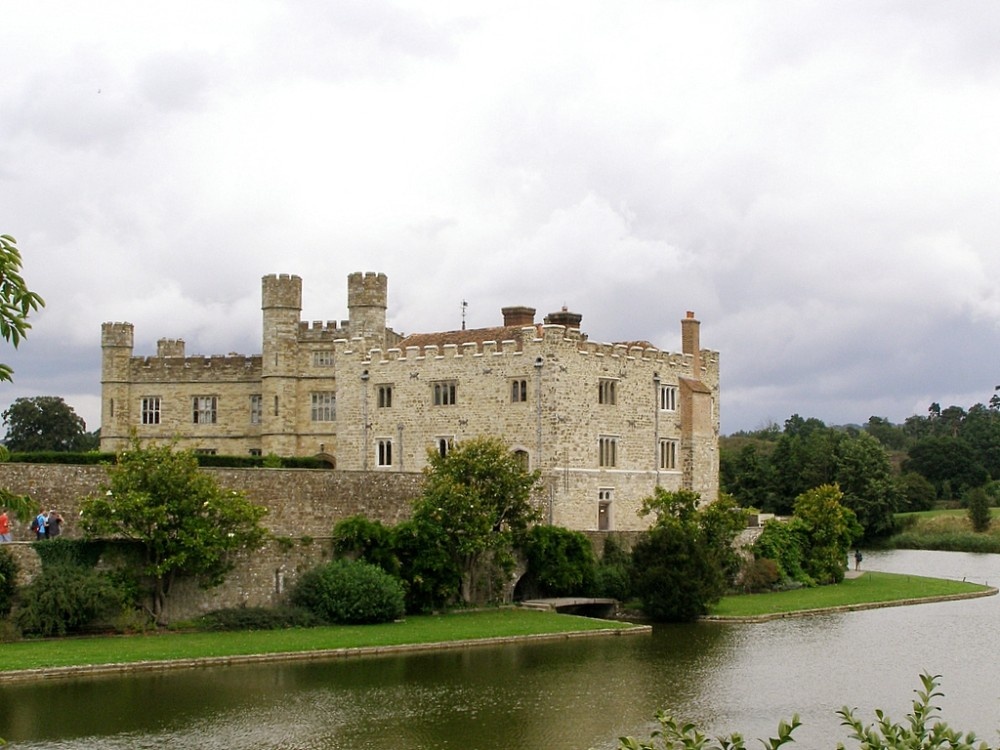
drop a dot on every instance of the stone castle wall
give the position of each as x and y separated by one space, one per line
303 506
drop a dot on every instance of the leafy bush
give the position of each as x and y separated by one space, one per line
978 503
257 618
68 599
784 542
759 574
368 540
349 592
8 581
676 576
63 551
560 562
613 575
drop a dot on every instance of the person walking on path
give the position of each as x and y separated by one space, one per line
4 526
858 557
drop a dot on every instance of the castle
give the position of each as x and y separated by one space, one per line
604 423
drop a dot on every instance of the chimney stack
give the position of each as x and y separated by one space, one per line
518 316
691 341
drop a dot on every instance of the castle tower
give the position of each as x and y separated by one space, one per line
367 295
117 341
281 303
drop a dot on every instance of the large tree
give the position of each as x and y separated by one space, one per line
478 499
16 300
680 565
45 423
184 523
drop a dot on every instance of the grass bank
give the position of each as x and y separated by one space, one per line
948 530
414 631
868 590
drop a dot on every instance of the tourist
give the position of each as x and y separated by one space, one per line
4 526
53 524
38 526
857 559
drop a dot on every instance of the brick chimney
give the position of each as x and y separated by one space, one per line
691 341
518 316
564 318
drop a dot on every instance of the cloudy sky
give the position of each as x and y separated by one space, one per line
818 181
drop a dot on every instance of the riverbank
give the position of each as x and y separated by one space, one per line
63 657
867 590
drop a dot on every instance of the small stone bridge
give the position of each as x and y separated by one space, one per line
575 605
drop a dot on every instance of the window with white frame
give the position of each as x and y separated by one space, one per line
204 409
607 448
256 408
323 406
150 411
444 392
604 496
668 454
383 452
607 391
518 391
668 398
384 392
323 359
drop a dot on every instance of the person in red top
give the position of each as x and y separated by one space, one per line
4 526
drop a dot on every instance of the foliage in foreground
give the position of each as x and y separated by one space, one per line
922 729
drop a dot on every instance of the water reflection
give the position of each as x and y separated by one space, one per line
568 695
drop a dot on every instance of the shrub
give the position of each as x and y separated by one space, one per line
68 599
613 575
560 561
349 592
256 618
8 581
759 574
676 576
978 503
368 540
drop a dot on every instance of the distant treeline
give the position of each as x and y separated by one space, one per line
881 467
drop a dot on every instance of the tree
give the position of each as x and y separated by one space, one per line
979 509
677 573
830 529
479 497
946 462
45 423
864 475
184 523
16 301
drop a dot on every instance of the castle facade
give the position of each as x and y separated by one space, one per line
604 423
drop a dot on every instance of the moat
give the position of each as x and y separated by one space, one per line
557 696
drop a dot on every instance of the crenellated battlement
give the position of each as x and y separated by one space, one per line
117 335
217 366
281 291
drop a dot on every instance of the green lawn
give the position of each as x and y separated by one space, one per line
61 652
870 587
